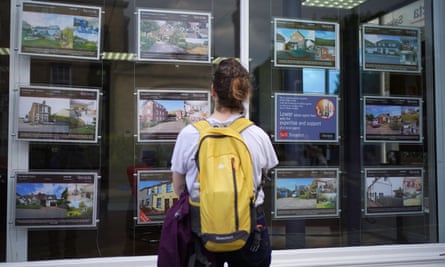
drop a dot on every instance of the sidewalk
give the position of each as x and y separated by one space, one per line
425 255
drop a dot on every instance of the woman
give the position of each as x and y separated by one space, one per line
230 88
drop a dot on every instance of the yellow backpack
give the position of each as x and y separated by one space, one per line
224 215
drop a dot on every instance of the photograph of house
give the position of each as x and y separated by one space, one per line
163 114
388 48
413 191
392 119
45 201
39 113
57 115
391 49
167 35
393 190
384 191
166 115
155 196
61 31
296 196
49 114
305 44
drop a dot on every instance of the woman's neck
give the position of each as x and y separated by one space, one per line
224 115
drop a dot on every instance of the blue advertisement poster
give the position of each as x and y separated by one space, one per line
306 118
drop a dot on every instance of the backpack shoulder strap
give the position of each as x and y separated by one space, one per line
202 125
237 125
240 124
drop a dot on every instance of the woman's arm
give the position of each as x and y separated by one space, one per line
178 183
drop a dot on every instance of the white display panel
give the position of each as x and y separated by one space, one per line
391 48
55 114
60 30
392 119
56 199
306 193
304 43
175 36
392 191
162 114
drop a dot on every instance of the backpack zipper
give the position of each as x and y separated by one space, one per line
236 194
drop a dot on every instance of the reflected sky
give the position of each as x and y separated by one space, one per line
314 81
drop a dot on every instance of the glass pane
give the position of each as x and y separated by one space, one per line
119 154
352 155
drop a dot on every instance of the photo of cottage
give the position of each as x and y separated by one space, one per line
305 44
59 30
173 36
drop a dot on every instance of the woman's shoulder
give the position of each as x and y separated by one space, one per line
256 132
188 130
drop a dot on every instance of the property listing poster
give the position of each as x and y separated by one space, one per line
393 119
390 48
56 200
59 30
178 36
57 114
163 113
301 43
306 192
393 191
155 195
306 118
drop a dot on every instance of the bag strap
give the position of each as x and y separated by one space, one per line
240 124
202 125
198 255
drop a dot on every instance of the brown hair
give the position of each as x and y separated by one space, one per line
232 85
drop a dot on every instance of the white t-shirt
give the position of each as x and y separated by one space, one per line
261 150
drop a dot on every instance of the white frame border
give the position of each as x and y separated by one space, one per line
363 50
99 39
365 193
336 214
387 140
337 43
138 48
95 203
337 137
96 134
178 91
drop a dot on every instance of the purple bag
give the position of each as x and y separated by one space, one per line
176 243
